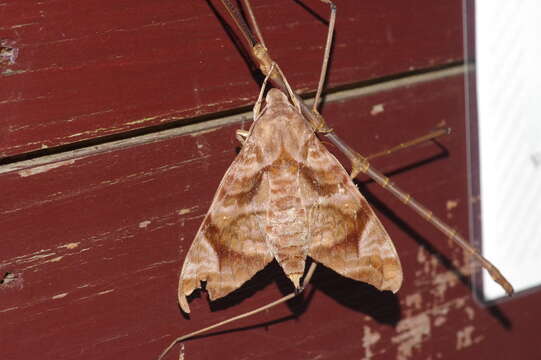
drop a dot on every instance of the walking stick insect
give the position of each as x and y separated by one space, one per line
285 197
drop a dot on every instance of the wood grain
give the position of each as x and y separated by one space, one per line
94 243
96 68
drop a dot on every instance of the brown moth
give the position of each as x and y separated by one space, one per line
286 197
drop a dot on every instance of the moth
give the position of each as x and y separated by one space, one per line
286 197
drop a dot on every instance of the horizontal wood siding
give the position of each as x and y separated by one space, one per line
93 236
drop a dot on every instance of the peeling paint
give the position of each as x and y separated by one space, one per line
186 210
441 282
464 337
470 313
417 328
414 300
9 309
69 246
106 292
412 332
7 278
451 204
369 339
8 53
59 296
377 109
44 168
439 321
142 121
181 352
202 132
144 224
36 257
429 262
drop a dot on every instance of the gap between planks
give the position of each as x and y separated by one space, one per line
226 120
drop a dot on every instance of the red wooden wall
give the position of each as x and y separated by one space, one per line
118 121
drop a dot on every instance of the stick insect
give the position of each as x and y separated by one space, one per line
378 266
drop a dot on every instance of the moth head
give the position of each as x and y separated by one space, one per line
275 96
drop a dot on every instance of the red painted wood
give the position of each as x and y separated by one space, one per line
94 68
95 245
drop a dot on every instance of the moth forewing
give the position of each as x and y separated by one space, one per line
286 197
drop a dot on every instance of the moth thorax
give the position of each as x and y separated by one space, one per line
275 96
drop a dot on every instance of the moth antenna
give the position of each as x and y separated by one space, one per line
257 106
294 97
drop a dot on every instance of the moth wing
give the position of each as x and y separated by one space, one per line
230 246
345 233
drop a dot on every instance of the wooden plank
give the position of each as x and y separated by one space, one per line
92 246
100 68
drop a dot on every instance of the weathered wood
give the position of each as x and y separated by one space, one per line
95 244
99 68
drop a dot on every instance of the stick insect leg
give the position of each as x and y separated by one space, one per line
328 44
241 316
418 140
326 55
429 216
253 21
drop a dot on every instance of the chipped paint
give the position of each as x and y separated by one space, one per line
8 53
369 339
202 132
439 321
412 332
44 168
186 210
69 246
414 300
470 313
451 204
181 352
106 292
9 309
441 282
429 263
142 121
59 296
464 338
7 278
377 109
144 224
